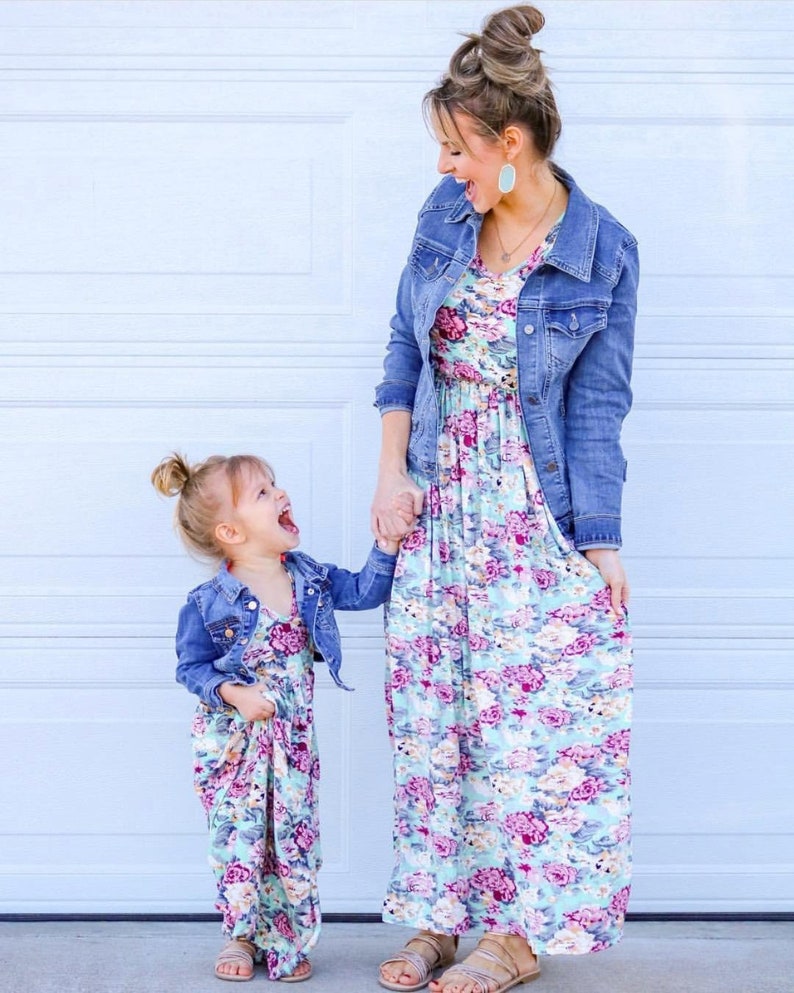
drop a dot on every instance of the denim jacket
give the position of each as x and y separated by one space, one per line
221 615
575 333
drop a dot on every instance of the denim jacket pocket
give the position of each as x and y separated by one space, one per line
428 263
225 632
569 329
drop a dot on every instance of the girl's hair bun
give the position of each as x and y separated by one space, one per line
172 475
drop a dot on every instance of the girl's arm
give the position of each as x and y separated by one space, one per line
197 655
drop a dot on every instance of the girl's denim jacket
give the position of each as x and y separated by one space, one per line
221 615
575 332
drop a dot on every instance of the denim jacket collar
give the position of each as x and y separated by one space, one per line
574 248
299 565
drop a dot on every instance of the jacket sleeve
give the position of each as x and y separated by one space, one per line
598 397
365 589
196 657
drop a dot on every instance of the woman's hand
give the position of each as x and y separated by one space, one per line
248 701
397 503
608 563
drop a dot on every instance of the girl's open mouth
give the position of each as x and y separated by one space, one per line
286 522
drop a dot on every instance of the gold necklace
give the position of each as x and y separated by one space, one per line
506 256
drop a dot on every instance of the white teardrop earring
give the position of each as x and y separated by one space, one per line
507 178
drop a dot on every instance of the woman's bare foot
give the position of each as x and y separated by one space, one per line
235 960
301 971
435 949
501 956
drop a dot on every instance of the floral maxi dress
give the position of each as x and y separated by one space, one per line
257 782
509 678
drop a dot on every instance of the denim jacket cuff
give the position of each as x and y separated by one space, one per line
380 561
596 532
394 395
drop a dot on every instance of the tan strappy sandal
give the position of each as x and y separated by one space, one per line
506 973
424 966
235 953
292 978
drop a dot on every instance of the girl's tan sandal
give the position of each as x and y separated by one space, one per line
292 978
424 966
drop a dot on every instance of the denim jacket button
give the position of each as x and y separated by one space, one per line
252 605
243 641
320 602
310 591
552 466
529 329
228 633
533 400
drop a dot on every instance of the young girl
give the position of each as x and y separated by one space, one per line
245 643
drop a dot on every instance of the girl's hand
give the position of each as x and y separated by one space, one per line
398 502
248 701
607 561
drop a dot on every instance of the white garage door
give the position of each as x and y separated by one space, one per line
204 209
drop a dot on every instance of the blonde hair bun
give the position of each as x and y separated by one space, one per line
171 475
506 53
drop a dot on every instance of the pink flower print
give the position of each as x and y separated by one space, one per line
559 875
240 787
620 901
529 828
461 629
622 676
443 552
478 643
587 917
530 680
466 428
571 612
544 578
494 571
400 677
288 639
419 882
444 692
426 649
579 754
415 540
424 727
581 645
602 600
236 872
554 717
617 743
434 501
304 836
449 324
444 846
419 787
514 452
301 757
495 881
517 526
492 715
586 791
508 307
462 370
283 926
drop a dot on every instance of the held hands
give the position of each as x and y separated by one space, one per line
607 561
398 502
248 700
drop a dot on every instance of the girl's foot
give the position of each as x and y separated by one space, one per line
235 962
498 963
411 968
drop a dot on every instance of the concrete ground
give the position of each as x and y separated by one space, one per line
132 957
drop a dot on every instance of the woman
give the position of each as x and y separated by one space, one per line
506 384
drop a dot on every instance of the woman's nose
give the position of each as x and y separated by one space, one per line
444 162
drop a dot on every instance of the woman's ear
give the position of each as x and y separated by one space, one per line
228 534
513 141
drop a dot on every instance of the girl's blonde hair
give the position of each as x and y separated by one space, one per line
497 78
200 503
